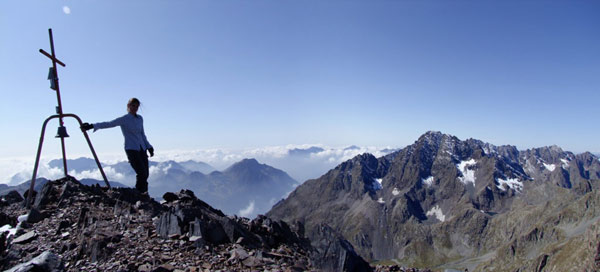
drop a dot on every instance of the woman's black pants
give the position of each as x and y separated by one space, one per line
139 161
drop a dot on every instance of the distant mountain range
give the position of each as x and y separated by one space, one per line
87 164
246 188
445 203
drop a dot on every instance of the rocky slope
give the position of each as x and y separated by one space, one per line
74 227
446 203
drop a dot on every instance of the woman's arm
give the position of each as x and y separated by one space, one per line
109 124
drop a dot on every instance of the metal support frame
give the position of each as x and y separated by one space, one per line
60 115
39 152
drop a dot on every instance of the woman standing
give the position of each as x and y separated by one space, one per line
136 143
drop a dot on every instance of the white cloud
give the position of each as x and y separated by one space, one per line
95 174
66 10
301 168
249 210
113 175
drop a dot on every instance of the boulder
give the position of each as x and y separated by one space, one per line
190 216
170 197
34 216
47 261
334 253
7 220
12 197
168 223
54 192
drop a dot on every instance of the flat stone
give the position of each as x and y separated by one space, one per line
25 238
144 268
168 267
238 254
164 268
252 261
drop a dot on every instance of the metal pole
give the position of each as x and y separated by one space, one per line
87 138
59 110
37 162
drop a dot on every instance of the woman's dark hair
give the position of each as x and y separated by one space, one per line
134 100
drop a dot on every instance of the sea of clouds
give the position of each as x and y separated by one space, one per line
301 162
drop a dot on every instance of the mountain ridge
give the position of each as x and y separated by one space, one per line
435 201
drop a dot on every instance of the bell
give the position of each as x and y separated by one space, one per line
62 132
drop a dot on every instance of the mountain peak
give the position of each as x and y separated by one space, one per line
247 163
431 134
434 137
555 148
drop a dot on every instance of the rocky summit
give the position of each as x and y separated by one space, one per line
445 203
74 227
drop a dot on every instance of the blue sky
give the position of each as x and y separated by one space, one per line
240 74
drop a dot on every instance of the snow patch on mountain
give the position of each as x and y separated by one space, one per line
380 200
512 183
490 150
550 167
428 181
437 212
377 184
467 175
565 163
395 192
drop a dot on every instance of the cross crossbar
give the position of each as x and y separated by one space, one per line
52 57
